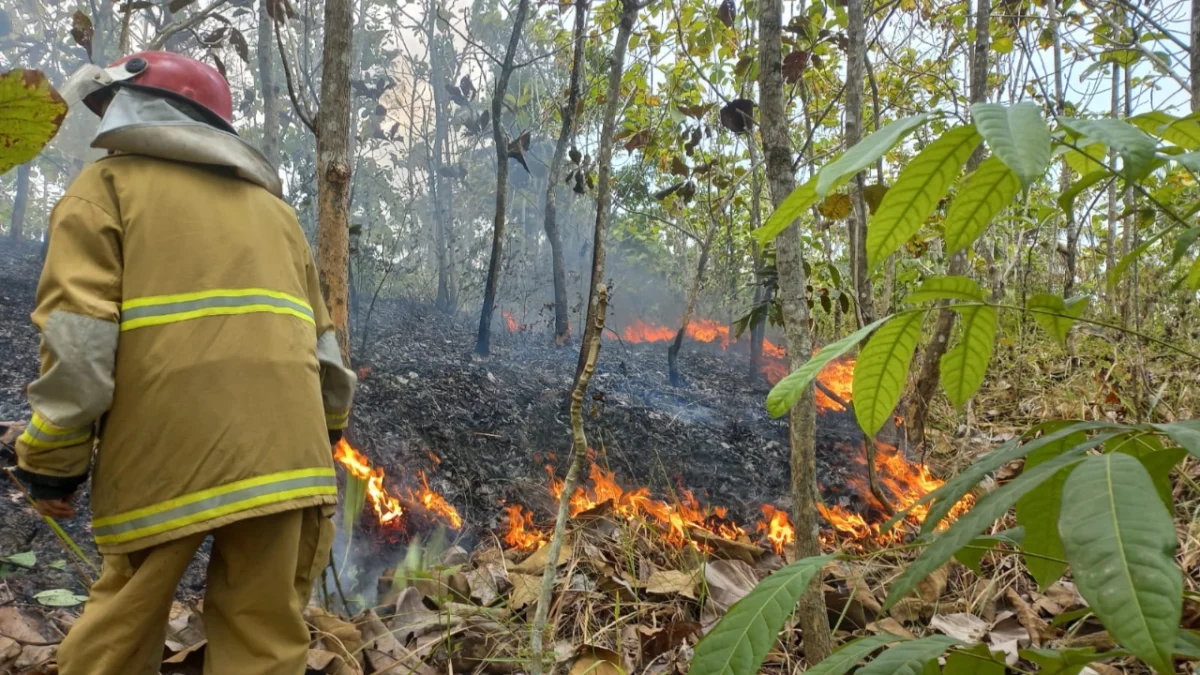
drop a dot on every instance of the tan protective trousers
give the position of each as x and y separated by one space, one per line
260 577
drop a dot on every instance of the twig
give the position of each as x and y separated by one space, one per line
831 395
578 455
62 536
300 107
192 21
338 583
873 480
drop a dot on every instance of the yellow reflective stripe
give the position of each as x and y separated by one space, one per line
212 311
203 295
210 493
163 309
337 420
44 435
235 507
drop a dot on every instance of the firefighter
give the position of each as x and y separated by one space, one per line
188 359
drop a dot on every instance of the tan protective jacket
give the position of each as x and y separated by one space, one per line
183 330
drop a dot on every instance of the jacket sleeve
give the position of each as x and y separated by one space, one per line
337 381
78 314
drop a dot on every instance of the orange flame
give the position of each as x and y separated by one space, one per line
522 534
509 321
388 507
778 529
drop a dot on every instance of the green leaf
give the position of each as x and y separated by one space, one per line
881 370
740 641
965 365
1187 645
1189 161
865 153
986 193
922 183
1088 159
1193 276
353 502
950 492
1066 201
801 199
978 660
1017 135
59 597
1185 133
985 512
1135 146
947 288
1121 543
1067 618
788 390
1114 277
31 112
1038 512
27 559
1064 661
1182 243
1158 465
1055 315
909 658
848 655
1152 122
972 554
1186 434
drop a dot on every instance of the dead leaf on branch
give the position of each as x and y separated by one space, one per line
456 95
727 13
873 196
575 155
177 5
836 206
638 140
82 31
696 111
794 65
518 148
239 44
738 115
467 87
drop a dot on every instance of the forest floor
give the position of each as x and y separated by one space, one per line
484 430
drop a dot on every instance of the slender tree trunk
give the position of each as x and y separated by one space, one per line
927 382
1110 251
500 139
1064 171
267 87
1129 227
629 12
789 263
440 190
762 297
16 229
1195 56
333 169
856 33
562 326
689 309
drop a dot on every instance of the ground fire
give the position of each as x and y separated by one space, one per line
390 510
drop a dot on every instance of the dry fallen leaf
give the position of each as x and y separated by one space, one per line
728 581
889 625
673 582
596 661
930 588
1008 636
536 562
340 636
525 592
962 626
1040 632
411 618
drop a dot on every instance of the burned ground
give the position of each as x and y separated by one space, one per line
484 430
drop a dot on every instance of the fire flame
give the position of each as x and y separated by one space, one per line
522 534
777 528
510 322
389 509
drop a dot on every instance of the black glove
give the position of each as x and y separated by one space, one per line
50 487
335 435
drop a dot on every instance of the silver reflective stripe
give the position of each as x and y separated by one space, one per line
210 303
79 435
214 503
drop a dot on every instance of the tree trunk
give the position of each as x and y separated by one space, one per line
789 262
762 297
440 191
562 326
1110 251
927 382
500 139
689 309
1064 171
272 124
856 33
333 170
629 12
16 229
1128 228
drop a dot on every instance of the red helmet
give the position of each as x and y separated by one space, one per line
175 76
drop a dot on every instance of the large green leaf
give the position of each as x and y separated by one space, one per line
1187 645
947 288
881 370
945 497
985 512
788 390
1066 201
1065 661
986 193
848 655
978 660
1152 122
972 554
1136 147
801 199
1185 133
909 658
1038 512
865 153
1088 159
1017 135
1158 465
1186 434
1182 243
740 641
1121 543
1189 161
1193 276
922 183
965 365
1055 315
31 112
